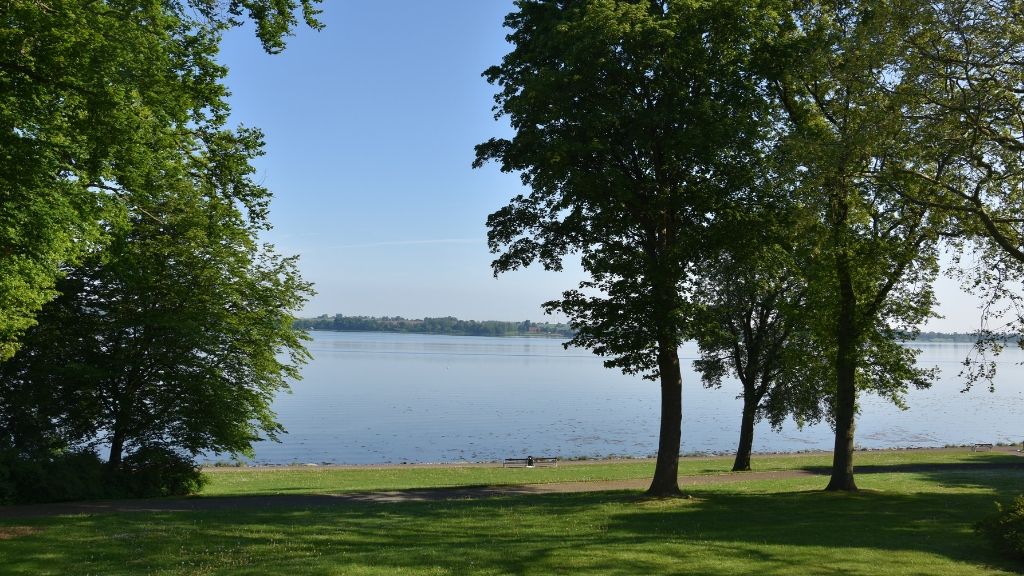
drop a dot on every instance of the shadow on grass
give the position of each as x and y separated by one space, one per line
262 501
715 532
987 462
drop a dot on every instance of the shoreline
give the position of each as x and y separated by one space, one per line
1002 448
959 338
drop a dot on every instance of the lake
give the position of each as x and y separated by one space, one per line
370 398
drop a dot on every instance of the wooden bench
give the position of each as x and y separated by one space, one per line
529 462
981 448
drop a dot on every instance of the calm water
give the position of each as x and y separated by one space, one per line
377 398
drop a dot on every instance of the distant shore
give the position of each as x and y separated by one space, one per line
442 326
546 336
561 331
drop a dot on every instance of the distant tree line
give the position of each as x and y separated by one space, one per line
966 338
448 325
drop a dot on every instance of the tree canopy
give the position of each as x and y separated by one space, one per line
95 99
966 69
178 334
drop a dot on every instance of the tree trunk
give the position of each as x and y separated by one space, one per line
116 448
742 462
666 471
846 390
842 455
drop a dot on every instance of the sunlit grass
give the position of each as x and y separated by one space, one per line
902 524
271 480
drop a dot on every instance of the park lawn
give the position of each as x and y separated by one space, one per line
910 523
229 481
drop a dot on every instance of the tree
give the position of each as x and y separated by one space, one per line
634 123
177 335
751 325
840 75
93 96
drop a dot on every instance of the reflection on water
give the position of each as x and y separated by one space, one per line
375 398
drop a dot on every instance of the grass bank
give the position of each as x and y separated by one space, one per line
326 479
902 523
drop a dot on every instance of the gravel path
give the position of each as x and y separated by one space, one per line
436 494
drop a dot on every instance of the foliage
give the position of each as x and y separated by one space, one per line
127 198
752 339
82 475
752 324
94 98
634 123
1006 528
871 252
446 325
177 334
74 475
964 64
966 69
159 471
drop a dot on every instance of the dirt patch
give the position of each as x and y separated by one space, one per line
12 532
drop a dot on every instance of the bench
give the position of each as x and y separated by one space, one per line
529 462
981 448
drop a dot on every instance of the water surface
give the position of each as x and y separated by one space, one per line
388 398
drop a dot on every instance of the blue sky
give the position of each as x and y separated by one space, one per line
370 128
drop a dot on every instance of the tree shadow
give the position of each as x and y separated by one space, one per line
983 462
617 533
938 523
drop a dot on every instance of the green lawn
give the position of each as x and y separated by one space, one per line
319 480
911 523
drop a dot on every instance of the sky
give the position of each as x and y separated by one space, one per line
370 127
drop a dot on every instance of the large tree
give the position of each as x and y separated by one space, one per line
635 123
93 97
177 335
872 252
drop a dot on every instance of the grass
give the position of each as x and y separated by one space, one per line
321 480
907 523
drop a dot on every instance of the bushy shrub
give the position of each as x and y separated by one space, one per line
74 476
8 490
159 471
77 475
82 475
1006 528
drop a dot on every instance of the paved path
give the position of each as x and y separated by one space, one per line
437 494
